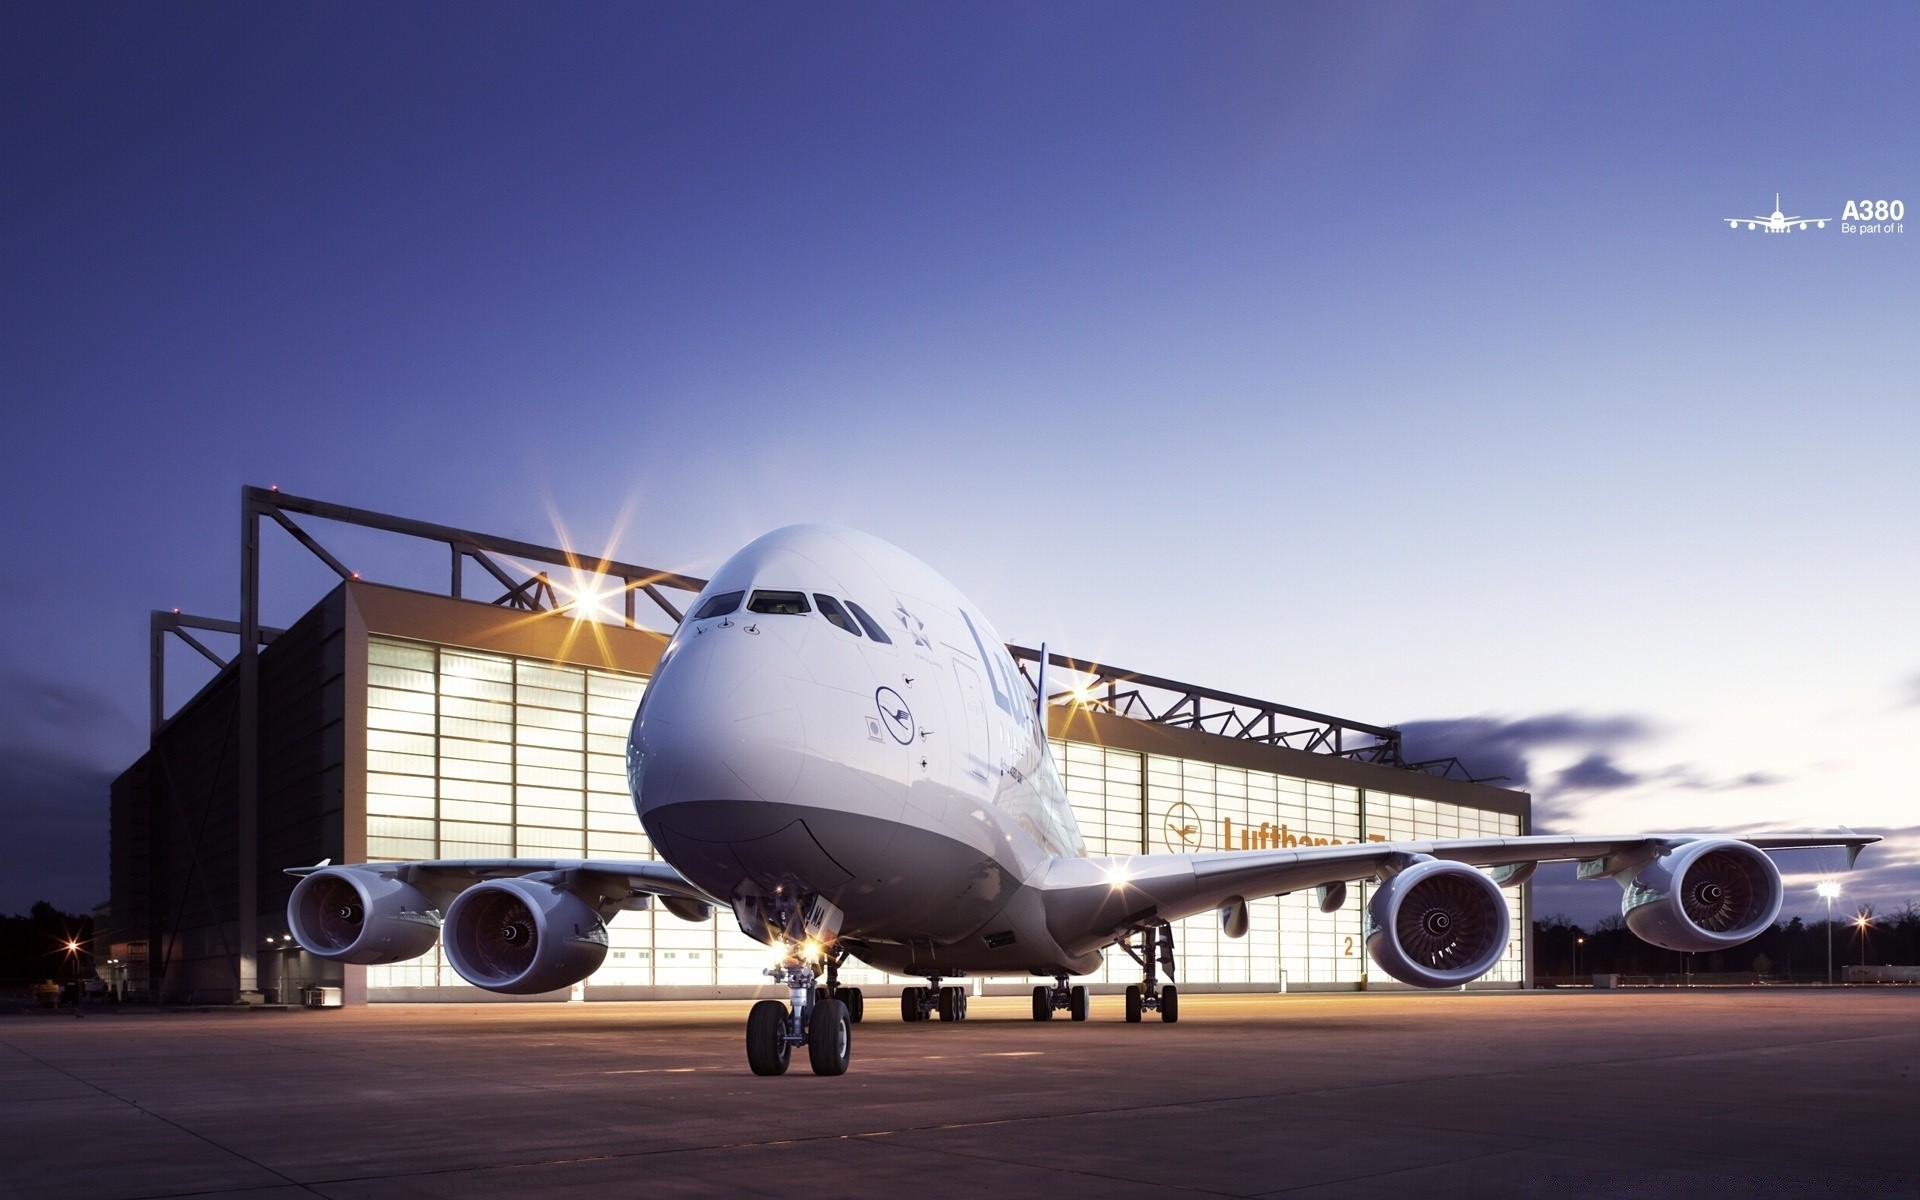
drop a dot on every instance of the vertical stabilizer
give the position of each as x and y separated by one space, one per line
1040 693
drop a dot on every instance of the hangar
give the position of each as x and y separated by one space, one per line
402 722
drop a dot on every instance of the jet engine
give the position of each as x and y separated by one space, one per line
1704 895
523 936
1436 924
356 915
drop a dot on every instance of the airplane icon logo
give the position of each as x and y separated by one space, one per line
1777 223
1183 827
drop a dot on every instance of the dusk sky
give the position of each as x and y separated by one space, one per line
1393 360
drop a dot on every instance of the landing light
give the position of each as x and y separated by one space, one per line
810 950
1118 876
1829 889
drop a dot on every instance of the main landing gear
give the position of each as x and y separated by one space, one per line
924 1003
819 1018
1076 1001
1155 951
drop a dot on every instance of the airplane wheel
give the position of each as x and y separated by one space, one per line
962 995
1169 1004
819 998
1134 1007
830 1040
909 1004
767 1047
1042 1004
1078 1003
856 1004
949 1004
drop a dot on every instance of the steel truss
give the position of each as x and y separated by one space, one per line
1142 697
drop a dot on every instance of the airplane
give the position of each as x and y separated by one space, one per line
1778 222
837 746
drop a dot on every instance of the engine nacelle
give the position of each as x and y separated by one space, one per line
1436 924
357 915
1704 895
521 936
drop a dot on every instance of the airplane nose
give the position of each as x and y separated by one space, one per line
720 722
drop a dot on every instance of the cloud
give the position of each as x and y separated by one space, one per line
1594 773
1490 747
54 808
1752 779
63 744
39 712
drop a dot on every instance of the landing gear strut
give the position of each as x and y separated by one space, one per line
816 1019
924 1003
1154 952
850 996
1076 1001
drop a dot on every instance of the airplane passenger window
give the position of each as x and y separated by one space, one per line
779 603
869 624
831 610
720 605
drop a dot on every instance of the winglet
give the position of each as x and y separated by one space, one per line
304 871
1853 851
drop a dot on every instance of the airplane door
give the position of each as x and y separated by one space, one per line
970 728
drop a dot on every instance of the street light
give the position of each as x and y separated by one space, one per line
1860 923
1577 943
1829 890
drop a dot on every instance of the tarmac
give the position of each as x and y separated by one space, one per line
1705 1092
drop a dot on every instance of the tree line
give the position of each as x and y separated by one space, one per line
1793 951
34 946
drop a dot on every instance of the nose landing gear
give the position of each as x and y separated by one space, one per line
820 1019
1155 951
823 1026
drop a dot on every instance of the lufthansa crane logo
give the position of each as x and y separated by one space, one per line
1182 828
895 715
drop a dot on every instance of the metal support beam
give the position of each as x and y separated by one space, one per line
247 741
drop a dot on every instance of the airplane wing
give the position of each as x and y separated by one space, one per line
1106 896
610 881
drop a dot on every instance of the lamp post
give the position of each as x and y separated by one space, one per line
1577 943
1860 923
1829 891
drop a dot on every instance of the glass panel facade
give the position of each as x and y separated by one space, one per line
478 755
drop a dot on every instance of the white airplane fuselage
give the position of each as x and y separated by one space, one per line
906 781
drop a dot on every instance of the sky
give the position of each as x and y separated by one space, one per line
1394 360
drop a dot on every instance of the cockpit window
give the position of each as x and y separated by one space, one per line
719 605
779 603
831 610
869 624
